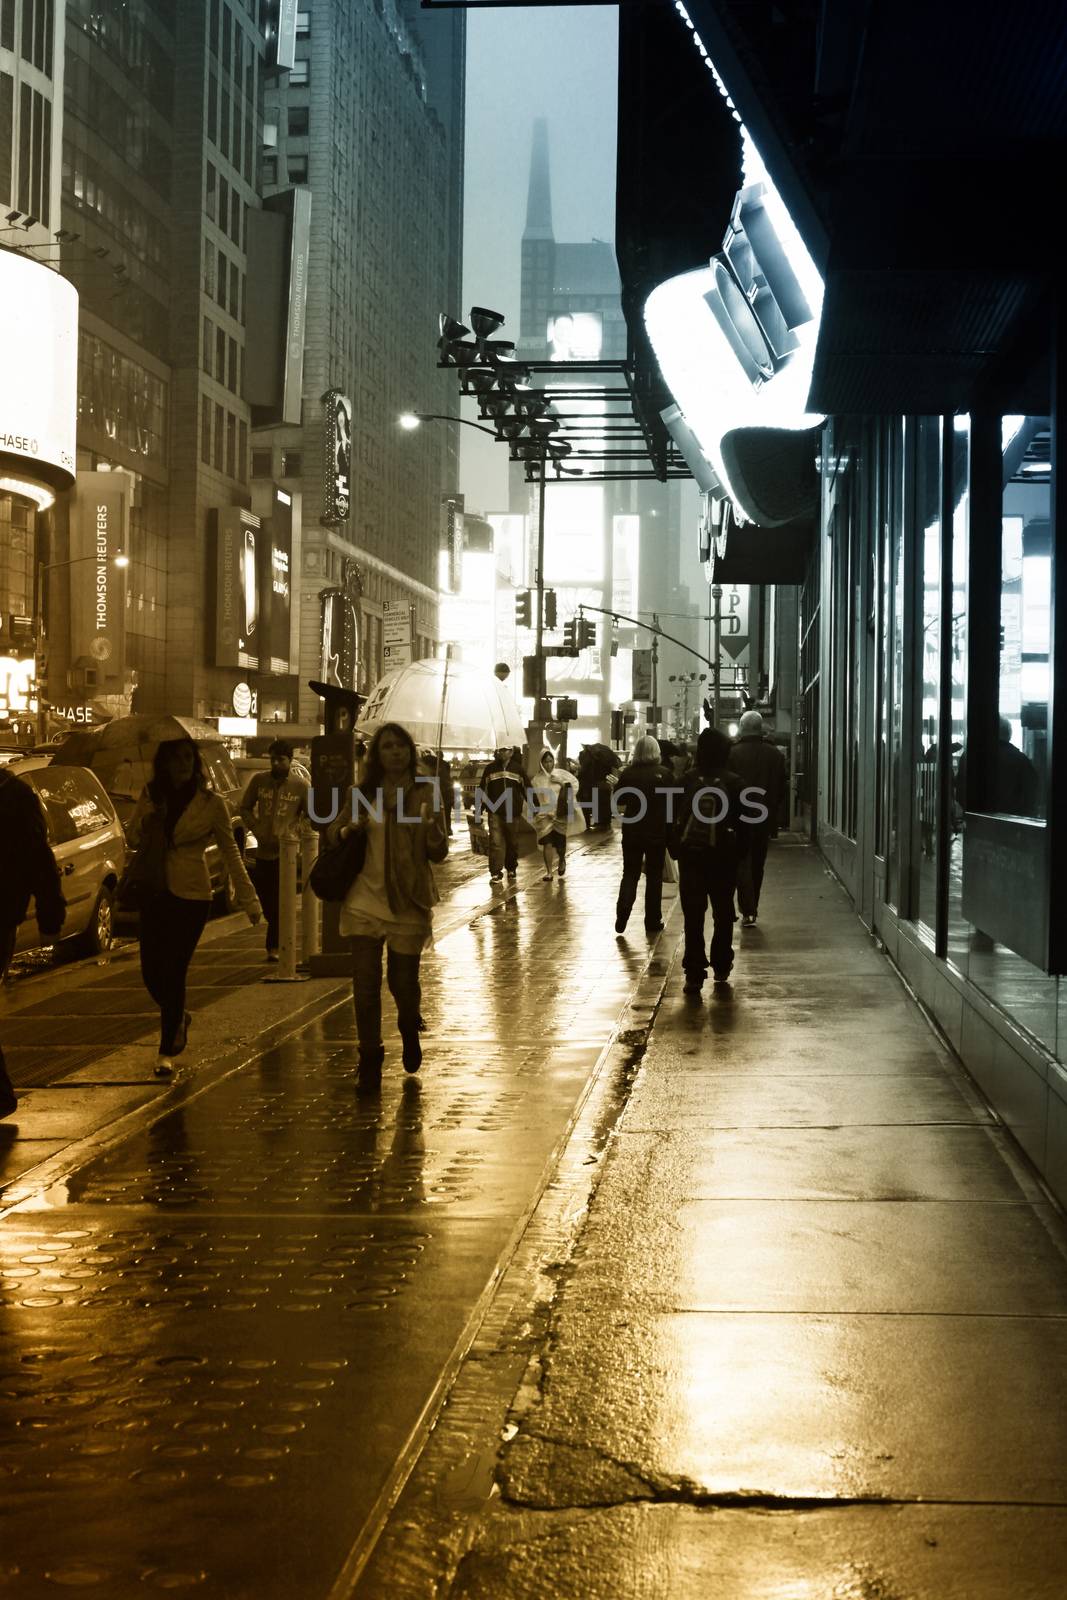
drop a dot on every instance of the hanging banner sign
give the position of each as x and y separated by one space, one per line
99 530
337 485
641 668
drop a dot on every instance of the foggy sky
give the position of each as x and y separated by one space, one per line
539 61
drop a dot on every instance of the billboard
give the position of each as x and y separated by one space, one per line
279 235
99 530
337 457
276 584
576 336
238 625
285 40
38 373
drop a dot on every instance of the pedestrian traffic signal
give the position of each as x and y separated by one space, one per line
586 632
566 710
618 727
550 608
523 609
570 638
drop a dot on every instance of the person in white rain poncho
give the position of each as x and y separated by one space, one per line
553 794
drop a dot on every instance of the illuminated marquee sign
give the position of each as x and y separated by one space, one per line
18 690
337 486
98 533
38 372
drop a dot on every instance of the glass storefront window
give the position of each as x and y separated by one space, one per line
1025 618
928 550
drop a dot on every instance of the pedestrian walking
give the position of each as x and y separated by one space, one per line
27 868
177 818
760 766
391 900
554 795
641 800
708 838
274 805
502 789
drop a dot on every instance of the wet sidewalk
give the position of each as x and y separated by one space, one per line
223 1340
809 1340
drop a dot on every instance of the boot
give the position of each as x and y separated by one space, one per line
369 1072
412 1052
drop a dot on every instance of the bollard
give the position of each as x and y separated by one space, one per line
287 919
309 849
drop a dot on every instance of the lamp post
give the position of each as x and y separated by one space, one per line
523 418
716 595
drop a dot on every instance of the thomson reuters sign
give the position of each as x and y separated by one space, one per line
38 373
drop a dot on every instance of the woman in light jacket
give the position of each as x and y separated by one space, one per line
554 797
172 920
391 901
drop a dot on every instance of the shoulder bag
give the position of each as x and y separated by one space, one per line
338 866
145 876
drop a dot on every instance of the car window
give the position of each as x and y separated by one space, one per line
51 784
219 769
88 804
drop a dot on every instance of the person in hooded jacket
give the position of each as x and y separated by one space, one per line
641 800
553 796
761 766
27 868
178 799
709 837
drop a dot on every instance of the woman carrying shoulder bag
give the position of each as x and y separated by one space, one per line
178 801
391 900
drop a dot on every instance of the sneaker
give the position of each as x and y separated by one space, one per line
272 955
495 877
692 985
723 977
164 1066
513 873
563 869
748 920
547 878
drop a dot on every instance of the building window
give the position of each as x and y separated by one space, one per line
220 355
210 197
205 430
224 273
292 463
303 24
235 217
298 169
299 122
242 451
262 463
220 425
231 445
231 372
270 172
208 346
224 204
300 74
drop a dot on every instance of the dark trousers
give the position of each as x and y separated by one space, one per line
635 852
7 949
265 875
402 975
170 931
503 836
750 872
703 876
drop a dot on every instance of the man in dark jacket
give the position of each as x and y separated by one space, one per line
761 766
641 801
27 867
708 838
503 794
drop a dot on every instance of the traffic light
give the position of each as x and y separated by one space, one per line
570 638
550 608
523 609
586 632
566 710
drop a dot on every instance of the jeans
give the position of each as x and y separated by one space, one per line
635 851
750 872
169 933
402 974
502 848
265 876
703 876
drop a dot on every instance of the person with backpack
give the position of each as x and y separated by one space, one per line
708 840
27 868
641 800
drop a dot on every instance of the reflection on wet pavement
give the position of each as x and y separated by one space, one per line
217 1339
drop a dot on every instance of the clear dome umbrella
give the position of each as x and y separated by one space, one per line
445 705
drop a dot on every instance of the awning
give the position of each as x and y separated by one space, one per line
766 555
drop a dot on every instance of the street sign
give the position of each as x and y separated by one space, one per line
735 645
396 633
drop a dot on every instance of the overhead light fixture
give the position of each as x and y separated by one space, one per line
450 328
13 216
42 497
122 560
484 322
409 421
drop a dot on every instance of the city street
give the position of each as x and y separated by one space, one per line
628 1289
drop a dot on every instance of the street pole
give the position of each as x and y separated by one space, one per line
655 675
535 732
716 595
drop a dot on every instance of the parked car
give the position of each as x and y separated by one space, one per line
121 753
89 845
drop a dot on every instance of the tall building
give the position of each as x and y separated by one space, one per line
373 128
